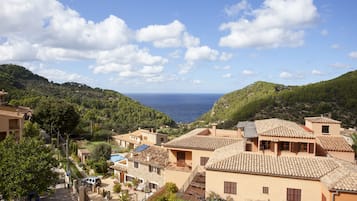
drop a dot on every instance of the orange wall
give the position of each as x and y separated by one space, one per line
347 156
317 128
345 197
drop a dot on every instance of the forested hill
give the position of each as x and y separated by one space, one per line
336 97
106 109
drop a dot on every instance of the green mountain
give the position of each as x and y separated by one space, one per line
336 97
105 109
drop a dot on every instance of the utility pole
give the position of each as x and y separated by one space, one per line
67 167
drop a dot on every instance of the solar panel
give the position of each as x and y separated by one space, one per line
141 148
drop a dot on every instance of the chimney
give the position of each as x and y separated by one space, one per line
214 129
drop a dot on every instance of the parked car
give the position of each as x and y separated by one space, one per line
92 181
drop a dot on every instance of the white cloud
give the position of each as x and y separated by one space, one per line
285 75
225 56
227 75
353 54
200 53
278 23
340 65
162 35
227 67
247 72
58 75
335 46
175 54
196 81
129 61
237 8
316 72
324 32
170 35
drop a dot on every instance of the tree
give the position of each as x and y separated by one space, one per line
31 129
56 115
354 145
102 151
26 167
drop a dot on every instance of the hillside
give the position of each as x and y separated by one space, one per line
336 97
106 109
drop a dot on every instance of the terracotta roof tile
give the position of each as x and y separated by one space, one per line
334 143
343 178
281 128
157 156
322 120
283 166
201 142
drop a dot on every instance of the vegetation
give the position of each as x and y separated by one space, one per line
101 111
354 145
31 129
337 98
26 167
166 193
56 115
117 188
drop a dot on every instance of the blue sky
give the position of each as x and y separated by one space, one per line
180 46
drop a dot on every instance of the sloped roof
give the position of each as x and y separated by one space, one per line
334 143
343 178
322 120
281 128
209 143
282 166
153 155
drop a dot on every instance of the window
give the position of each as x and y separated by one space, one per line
230 187
154 169
2 135
152 185
129 178
264 145
265 190
311 148
248 147
303 147
162 139
203 161
136 164
14 124
293 194
325 130
284 146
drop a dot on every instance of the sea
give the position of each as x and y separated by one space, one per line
182 108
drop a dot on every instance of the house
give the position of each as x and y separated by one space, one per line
12 118
269 159
83 155
140 136
256 176
146 164
189 153
320 136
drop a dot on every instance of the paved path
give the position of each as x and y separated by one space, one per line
61 192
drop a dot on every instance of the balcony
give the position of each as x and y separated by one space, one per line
184 167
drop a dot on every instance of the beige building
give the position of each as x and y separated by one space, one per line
147 164
140 136
270 159
188 154
12 118
254 176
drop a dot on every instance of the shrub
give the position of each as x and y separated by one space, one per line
117 188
